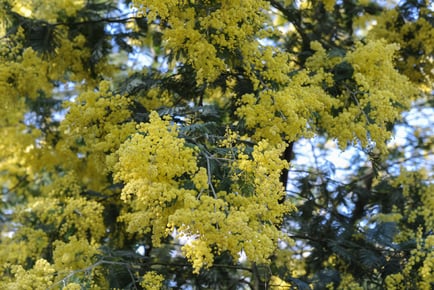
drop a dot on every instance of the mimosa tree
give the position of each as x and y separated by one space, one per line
157 144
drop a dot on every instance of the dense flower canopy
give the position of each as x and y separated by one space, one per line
154 144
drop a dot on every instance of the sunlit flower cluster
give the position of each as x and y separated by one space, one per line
286 114
377 100
243 220
200 35
154 163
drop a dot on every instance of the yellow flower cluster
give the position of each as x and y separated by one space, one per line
22 75
74 260
45 220
284 258
378 100
153 164
156 98
200 34
348 283
15 150
63 186
17 250
72 286
71 56
156 167
81 216
243 220
76 254
419 268
28 76
48 11
40 277
415 36
95 126
409 181
199 253
25 74
284 114
152 281
276 283
329 4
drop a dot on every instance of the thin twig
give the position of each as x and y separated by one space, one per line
208 166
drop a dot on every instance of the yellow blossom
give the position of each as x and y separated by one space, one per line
152 281
40 277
